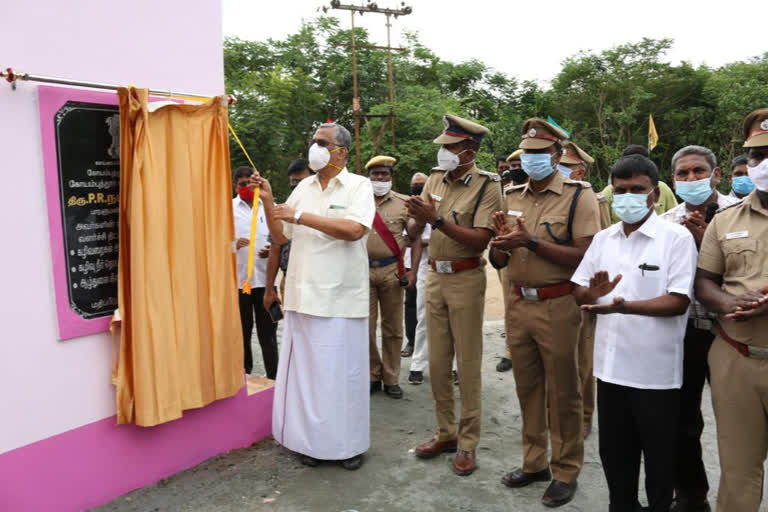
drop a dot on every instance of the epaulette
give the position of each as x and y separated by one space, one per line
492 175
512 187
739 203
436 169
601 198
583 184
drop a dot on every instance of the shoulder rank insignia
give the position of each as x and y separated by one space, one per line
492 175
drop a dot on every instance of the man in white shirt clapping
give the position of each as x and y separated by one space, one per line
637 275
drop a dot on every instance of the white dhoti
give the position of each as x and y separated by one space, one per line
322 395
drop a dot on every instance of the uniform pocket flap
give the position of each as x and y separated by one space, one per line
737 246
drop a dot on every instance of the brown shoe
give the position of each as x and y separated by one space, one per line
433 448
464 464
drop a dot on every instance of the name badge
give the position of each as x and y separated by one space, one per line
736 234
436 197
337 207
514 213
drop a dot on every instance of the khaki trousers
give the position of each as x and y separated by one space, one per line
740 400
543 340
586 360
455 304
387 294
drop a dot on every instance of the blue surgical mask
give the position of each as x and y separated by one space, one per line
565 171
630 208
743 185
537 165
694 192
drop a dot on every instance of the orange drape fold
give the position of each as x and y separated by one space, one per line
181 345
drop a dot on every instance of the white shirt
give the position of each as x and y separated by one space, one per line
243 216
633 350
328 277
677 213
425 249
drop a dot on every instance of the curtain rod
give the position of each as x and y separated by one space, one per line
11 76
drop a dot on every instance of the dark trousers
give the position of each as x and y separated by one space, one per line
633 422
253 306
691 481
410 314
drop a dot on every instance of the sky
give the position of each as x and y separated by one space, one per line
529 40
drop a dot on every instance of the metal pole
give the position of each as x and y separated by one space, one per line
11 76
355 99
391 86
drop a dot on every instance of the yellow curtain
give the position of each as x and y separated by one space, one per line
181 345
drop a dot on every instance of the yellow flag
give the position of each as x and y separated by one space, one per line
653 137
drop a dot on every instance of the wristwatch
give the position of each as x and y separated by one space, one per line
533 243
297 216
438 222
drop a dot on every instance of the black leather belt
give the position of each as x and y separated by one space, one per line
383 262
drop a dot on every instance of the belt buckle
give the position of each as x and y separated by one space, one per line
444 267
757 352
529 293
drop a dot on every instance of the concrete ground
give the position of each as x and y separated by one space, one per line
268 477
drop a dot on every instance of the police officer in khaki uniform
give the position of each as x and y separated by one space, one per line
510 174
386 291
545 228
578 161
732 281
458 201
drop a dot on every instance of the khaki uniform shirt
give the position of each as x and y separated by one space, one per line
605 211
395 215
735 246
455 201
551 205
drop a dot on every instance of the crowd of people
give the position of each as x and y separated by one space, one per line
623 298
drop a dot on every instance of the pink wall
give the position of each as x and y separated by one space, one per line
47 386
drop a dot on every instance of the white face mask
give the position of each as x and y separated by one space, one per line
447 160
381 188
319 157
759 175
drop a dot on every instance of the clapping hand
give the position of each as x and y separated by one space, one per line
696 225
601 285
500 225
749 305
423 212
514 238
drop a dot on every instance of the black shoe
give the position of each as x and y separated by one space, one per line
309 461
519 478
375 386
455 378
558 493
688 505
393 391
407 351
416 378
353 463
504 365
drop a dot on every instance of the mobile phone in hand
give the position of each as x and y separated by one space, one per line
275 312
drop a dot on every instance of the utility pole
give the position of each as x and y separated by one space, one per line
371 7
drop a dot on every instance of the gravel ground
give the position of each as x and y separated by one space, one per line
267 477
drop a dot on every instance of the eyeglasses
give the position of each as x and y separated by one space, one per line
322 143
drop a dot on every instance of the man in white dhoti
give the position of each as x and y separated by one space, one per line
321 403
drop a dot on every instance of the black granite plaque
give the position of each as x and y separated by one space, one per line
88 154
